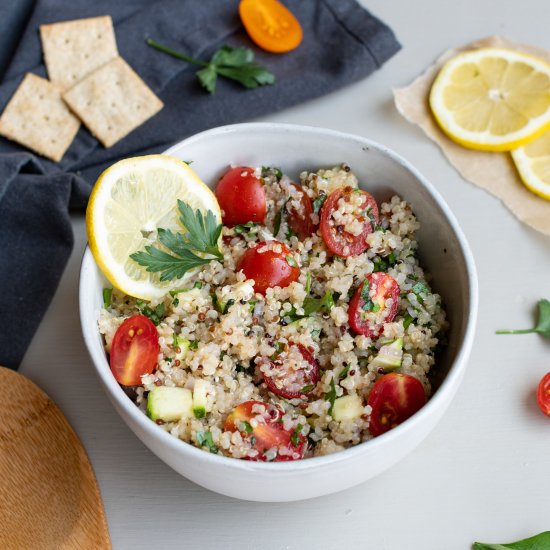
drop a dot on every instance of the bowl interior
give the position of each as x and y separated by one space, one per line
381 172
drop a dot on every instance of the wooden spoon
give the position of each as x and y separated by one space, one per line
49 497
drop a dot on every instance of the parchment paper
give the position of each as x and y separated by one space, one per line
494 172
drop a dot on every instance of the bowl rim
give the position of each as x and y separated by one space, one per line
445 390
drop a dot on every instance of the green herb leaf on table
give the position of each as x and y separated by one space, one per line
542 326
200 236
537 542
234 63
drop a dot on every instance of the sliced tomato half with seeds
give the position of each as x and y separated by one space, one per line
293 373
134 350
335 217
394 398
374 303
261 424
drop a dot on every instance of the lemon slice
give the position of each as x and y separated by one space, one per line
130 201
492 99
533 164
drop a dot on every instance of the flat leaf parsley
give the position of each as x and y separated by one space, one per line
543 324
201 237
234 63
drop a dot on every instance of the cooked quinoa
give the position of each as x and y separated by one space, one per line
234 344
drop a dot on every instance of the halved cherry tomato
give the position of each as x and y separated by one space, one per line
339 241
368 309
290 376
543 394
270 25
241 196
394 398
268 267
134 350
299 220
266 432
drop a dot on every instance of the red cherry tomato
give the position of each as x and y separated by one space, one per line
294 373
394 398
367 317
299 219
543 394
241 196
267 432
268 264
337 240
134 350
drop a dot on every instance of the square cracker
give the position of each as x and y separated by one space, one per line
37 117
73 49
113 101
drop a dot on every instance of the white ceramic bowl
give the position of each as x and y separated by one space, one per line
443 251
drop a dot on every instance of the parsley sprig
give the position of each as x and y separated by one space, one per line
233 63
201 237
543 323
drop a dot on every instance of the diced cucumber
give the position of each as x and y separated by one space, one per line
199 398
347 408
169 404
181 345
390 356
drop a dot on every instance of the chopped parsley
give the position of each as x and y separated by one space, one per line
308 282
107 294
315 332
295 437
319 201
194 344
407 321
156 315
307 388
343 373
268 170
247 427
245 228
330 396
383 264
365 296
204 439
418 289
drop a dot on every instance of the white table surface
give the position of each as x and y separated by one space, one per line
483 472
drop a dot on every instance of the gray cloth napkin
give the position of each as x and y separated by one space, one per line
342 43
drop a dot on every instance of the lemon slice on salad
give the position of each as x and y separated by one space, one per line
130 201
492 99
533 164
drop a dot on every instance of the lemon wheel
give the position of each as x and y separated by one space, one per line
533 164
492 99
130 201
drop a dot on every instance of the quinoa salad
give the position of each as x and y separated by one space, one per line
314 328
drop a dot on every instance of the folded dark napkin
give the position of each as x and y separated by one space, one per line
342 43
